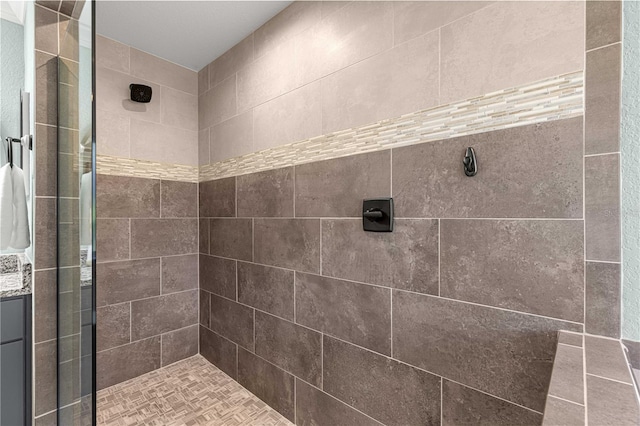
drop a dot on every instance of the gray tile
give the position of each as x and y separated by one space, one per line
567 379
603 299
153 68
205 309
314 407
178 199
68 244
336 188
524 265
218 276
113 327
46 160
266 381
163 237
218 198
357 313
288 243
465 406
602 210
602 99
605 358
429 179
633 354
119 282
603 24
231 238
50 419
291 347
506 354
388 391
120 196
406 258
112 237
266 194
179 344
67 6
559 412
45 295
68 176
219 351
611 403
126 362
231 61
69 42
179 273
572 339
232 321
203 238
161 314
268 289
45 371
49 4
46 88
45 233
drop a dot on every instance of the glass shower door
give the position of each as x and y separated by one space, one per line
76 165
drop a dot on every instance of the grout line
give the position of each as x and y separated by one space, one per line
391 321
151 337
130 324
602 154
602 47
320 246
253 239
321 360
439 259
539 219
602 261
151 297
610 379
441 398
566 400
294 190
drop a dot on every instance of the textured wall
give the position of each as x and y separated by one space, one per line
147 229
629 137
320 67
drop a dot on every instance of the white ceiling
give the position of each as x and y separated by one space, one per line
188 33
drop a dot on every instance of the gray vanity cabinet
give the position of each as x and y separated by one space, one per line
15 361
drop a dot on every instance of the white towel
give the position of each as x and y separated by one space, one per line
6 206
20 237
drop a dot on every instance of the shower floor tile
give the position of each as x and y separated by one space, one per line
189 392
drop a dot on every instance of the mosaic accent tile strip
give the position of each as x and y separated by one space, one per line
189 392
117 166
551 99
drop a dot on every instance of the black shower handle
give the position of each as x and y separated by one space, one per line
373 214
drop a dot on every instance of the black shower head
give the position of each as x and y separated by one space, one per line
140 93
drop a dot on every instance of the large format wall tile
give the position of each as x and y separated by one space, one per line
179 109
605 358
179 273
232 321
178 199
602 302
219 351
164 144
266 194
129 280
274 386
112 133
112 90
604 23
232 138
288 243
265 288
611 403
231 238
602 207
360 30
230 61
113 326
205 308
357 313
163 237
291 347
314 407
336 188
298 114
528 266
126 362
218 198
218 276
153 68
112 239
112 54
560 412
400 80
203 237
179 344
407 258
602 99
464 406
503 353
389 391
157 315
429 179
414 18
545 39
217 104
47 88
120 196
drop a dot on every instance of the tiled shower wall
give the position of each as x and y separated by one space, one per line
147 229
451 318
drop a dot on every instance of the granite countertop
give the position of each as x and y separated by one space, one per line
15 275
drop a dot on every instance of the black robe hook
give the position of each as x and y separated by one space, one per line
470 163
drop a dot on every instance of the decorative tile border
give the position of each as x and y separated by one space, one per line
551 99
117 166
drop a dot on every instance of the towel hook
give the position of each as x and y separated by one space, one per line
470 163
